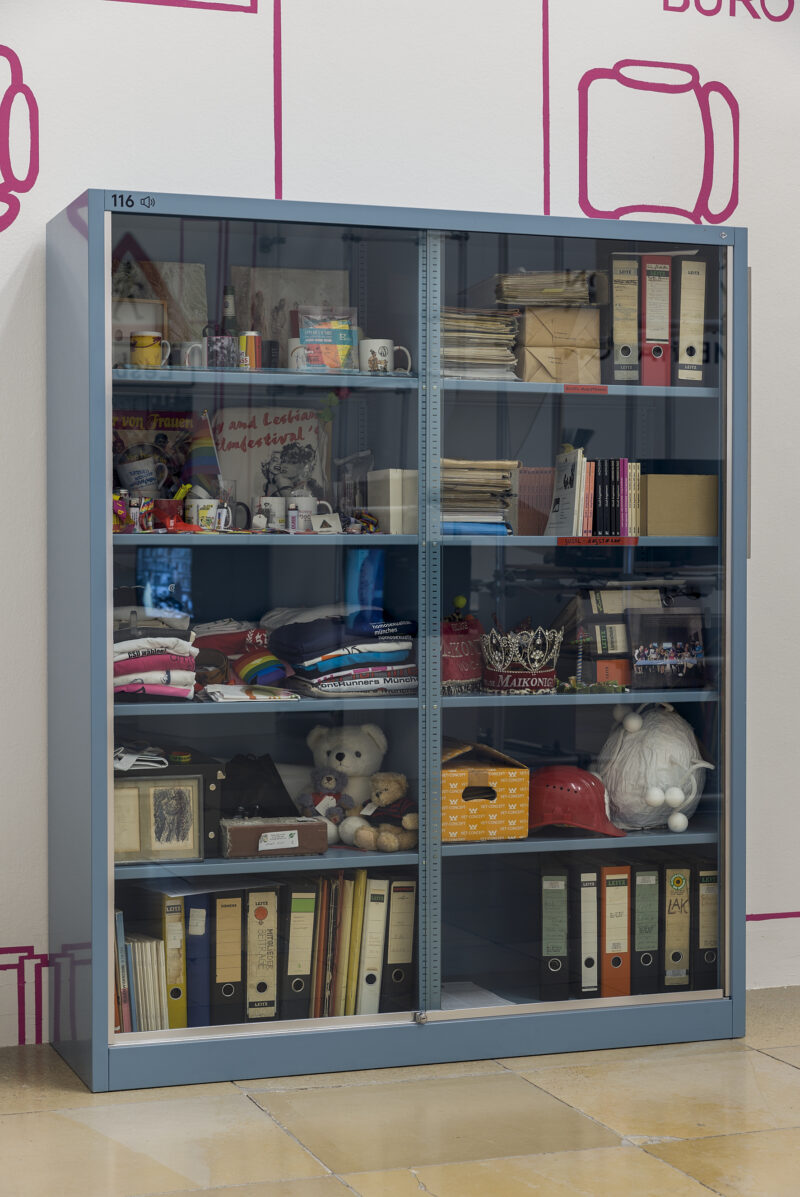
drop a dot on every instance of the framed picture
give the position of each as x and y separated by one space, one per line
667 651
266 295
158 818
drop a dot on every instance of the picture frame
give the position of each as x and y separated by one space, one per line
158 818
667 650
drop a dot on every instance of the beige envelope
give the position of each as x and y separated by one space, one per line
551 364
578 328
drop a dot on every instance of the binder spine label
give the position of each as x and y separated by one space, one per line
301 934
645 931
708 911
400 933
589 934
676 935
554 916
616 914
229 941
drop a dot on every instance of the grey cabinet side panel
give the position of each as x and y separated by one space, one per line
69 639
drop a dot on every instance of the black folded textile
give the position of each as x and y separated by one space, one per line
304 641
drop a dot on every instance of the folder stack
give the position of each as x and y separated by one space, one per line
478 343
478 494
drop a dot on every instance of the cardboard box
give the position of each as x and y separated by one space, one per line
680 505
392 499
500 812
550 363
570 328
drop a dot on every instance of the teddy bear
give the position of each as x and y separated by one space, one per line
392 818
327 799
357 751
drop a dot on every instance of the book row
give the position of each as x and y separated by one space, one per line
200 954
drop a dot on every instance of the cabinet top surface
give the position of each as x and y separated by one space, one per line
253 208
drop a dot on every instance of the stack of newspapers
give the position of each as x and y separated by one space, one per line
547 288
477 496
478 343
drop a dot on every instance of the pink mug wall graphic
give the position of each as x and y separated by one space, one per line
19 145
653 138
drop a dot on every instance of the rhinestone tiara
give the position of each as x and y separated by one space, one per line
531 650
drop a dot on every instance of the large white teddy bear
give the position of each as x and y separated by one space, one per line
356 751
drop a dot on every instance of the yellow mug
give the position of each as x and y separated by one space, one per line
149 350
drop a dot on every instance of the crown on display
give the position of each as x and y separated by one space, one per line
531 650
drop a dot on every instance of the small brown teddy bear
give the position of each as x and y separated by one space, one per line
390 814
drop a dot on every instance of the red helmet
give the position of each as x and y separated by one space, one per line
565 796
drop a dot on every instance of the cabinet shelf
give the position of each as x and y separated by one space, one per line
255 540
285 379
543 542
703 829
278 706
511 387
337 857
634 697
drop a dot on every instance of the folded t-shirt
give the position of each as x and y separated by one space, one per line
144 645
152 661
370 652
373 679
156 677
135 690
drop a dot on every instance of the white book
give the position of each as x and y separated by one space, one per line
392 499
577 523
373 936
566 488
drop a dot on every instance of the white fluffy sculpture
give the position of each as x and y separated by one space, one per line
652 769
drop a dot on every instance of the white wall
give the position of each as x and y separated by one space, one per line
436 103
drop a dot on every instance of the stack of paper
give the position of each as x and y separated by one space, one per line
546 287
478 342
477 493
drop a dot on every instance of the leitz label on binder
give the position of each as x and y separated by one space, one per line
616 914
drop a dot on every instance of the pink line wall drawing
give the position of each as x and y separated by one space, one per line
635 78
667 79
12 185
214 5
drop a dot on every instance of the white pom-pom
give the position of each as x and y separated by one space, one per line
675 797
655 796
619 712
677 821
632 722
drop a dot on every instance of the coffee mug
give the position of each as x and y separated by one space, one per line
307 506
144 477
239 512
376 356
298 357
272 507
221 352
149 351
207 514
187 354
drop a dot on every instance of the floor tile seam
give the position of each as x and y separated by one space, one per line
575 1109
290 1133
456 1076
682 1171
764 1051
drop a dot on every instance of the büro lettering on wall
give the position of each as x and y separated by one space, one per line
756 10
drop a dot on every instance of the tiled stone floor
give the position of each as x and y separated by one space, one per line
671 1121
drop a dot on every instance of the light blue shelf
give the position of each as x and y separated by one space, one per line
335 858
254 540
634 697
177 376
702 830
517 387
544 542
207 710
